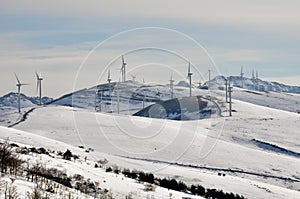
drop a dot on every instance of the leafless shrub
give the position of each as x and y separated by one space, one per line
9 161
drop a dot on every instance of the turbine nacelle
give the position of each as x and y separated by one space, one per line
189 70
19 84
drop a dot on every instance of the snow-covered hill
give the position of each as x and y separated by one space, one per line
135 97
217 145
132 97
255 153
186 108
11 99
111 185
9 107
251 84
250 170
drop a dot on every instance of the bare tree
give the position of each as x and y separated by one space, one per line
9 161
36 193
5 155
10 190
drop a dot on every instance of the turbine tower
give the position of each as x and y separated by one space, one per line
172 86
257 81
109 80
242 77
123 69
39 86
253 76
209 77
19 84
190 78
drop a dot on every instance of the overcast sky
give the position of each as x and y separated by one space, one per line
74 43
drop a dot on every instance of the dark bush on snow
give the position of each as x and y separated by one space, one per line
67 155
109 169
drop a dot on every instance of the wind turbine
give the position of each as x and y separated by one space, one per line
242 77
109 80
257 81
19 84
39 86
172 86
190 78
123 69
133 77
209 77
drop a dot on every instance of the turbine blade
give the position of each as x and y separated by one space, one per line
189 70
17 79
37 75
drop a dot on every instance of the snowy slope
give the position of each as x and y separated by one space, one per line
276 100
119 186
230 183
223 144
9 107
10 115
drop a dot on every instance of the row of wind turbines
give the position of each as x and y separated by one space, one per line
123 77
38 88
228 87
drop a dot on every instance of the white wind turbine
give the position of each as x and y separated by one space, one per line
19 84
133 77
123 69
242 77
109 80
190 78
39 86
172 86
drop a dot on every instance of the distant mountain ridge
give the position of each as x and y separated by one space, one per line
251 84
11 99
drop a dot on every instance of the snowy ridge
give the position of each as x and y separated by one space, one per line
131 97
11 99
251 84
